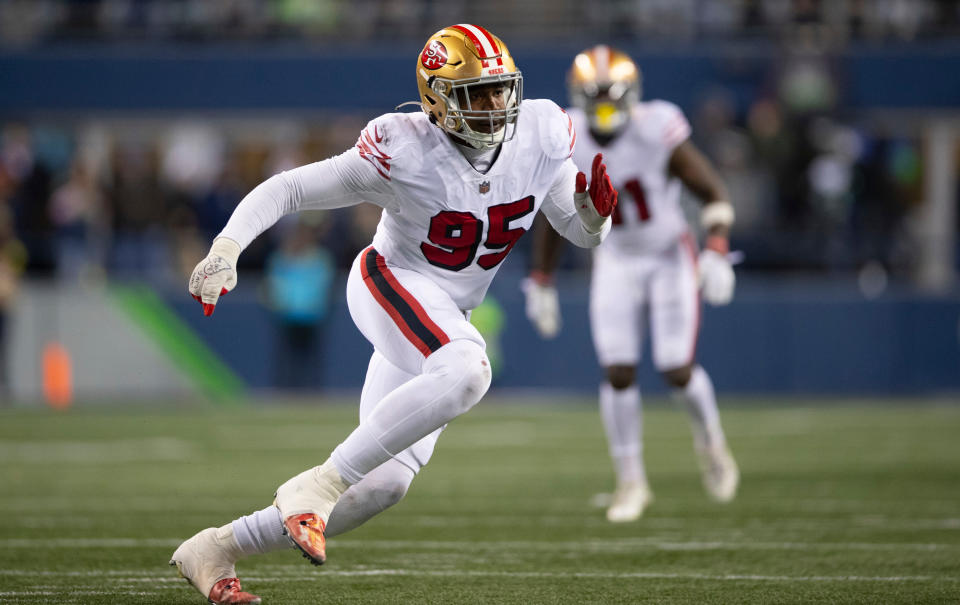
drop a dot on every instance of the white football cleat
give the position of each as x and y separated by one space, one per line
207 560
629 502
305 504
719 471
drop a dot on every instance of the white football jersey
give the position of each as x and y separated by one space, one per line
447 221
648 217
441 217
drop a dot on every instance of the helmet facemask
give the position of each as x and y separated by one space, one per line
479 128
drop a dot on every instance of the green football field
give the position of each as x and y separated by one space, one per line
841 502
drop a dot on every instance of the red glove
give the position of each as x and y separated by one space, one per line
602 196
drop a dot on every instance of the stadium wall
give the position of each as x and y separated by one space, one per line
109 354
374 79
779 337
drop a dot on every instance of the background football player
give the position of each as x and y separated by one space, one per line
646 275
459 183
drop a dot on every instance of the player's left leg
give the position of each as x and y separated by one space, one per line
675 324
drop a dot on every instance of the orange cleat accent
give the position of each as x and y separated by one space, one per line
306 531
228 592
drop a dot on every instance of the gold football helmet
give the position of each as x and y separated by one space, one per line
456 61
604 83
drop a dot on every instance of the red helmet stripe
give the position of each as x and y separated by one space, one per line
481 38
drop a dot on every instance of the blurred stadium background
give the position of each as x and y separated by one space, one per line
129 130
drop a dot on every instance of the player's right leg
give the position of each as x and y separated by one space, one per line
675 323
398 409
616 319
207 561
418 328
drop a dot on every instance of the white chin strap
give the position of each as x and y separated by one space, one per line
496 137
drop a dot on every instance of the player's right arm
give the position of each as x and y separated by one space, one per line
542 301
586 225
357 175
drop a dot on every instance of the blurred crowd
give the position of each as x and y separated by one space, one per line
31 22
142 199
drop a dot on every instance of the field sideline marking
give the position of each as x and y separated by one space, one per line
150 576
859 523
593 545
117 451
72 592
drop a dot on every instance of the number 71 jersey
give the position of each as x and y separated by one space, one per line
444 219
648 217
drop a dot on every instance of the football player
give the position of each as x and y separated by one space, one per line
646 275
459 184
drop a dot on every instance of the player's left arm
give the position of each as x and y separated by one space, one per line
580 210
696 172
575 211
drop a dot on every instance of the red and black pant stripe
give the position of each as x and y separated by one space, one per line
403 308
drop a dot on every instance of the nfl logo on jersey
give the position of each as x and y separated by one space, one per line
484 187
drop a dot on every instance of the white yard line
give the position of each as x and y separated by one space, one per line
698 525
467 546
74 592
288 573
91 543
630 544
100 452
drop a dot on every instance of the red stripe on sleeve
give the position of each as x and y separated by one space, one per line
371 153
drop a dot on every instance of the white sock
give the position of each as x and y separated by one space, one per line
454 379
701 403
380 489
620 411
261 532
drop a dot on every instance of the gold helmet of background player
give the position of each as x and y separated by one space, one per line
604 83
455 59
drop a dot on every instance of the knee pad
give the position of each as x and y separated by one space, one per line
387 493
465 365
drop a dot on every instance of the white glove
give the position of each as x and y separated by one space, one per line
215 275
543 307
716 277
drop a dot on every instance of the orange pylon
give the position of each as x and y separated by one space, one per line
57 376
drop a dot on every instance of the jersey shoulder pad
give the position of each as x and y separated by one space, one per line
554 128
391 142
664 123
